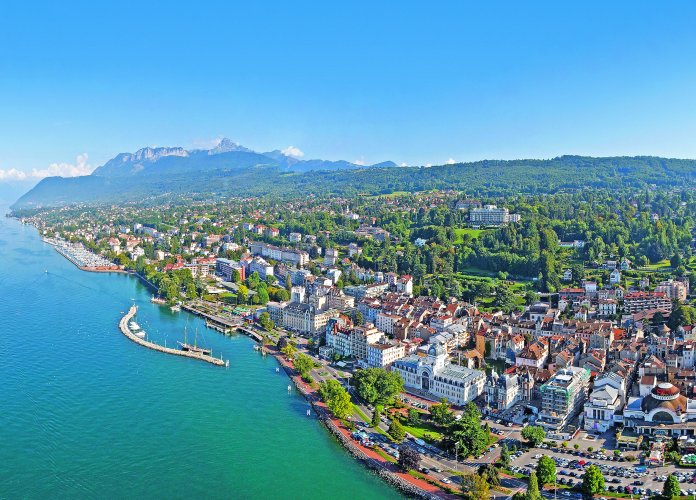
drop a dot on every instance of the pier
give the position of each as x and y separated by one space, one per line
123 325
223 325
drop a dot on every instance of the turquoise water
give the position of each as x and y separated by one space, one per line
86 413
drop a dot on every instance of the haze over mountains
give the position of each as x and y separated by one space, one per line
229 169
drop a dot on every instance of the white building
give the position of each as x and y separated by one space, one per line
502 391
383 353
433 374
491 215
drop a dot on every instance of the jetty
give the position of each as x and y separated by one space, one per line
223 325
125 329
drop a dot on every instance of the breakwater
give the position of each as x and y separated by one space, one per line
123 326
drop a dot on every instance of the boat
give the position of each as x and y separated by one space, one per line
185 346
192 348
157 300
175 308
136 330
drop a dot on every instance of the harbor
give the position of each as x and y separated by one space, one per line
194 354
221 324
81 257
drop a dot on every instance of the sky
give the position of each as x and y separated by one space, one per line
413 82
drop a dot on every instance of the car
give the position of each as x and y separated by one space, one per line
565 493
425 470
436 469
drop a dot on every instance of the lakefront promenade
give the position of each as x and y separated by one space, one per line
123 326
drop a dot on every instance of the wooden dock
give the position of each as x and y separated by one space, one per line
223 325
123 326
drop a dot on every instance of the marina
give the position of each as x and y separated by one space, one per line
195 353
81 256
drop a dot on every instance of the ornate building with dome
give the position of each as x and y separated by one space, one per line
664 411
433 374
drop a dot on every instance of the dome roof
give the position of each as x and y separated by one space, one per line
665 396
665 390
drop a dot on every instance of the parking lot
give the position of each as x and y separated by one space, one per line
620 475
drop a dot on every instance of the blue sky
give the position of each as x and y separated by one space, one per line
412 82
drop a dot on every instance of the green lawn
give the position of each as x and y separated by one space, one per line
420 431
384 455
460 232
663 265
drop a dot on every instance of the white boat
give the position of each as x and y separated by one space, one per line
140 333
175 308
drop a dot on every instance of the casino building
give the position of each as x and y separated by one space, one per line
663 412
434 375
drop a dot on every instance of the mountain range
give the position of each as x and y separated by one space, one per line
161 169
158 175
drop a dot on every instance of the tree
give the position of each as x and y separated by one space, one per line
376 385
282 342
671 487
533 489
681 315
592 481
441 413
303 364
289 350
396 430
467 433
242 294
336 398
475 487
534 434
531 297
376 416
490 474
505 299
236 277
409 458
414 417
546 470
265 322
505 455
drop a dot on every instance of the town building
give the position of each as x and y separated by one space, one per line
433 374
491 215
563 396
383 353
305 318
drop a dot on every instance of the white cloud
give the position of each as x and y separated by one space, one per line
403 164
80 167
12 174
360 162
293 151
451 161
429 165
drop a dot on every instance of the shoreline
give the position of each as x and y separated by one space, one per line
334 428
